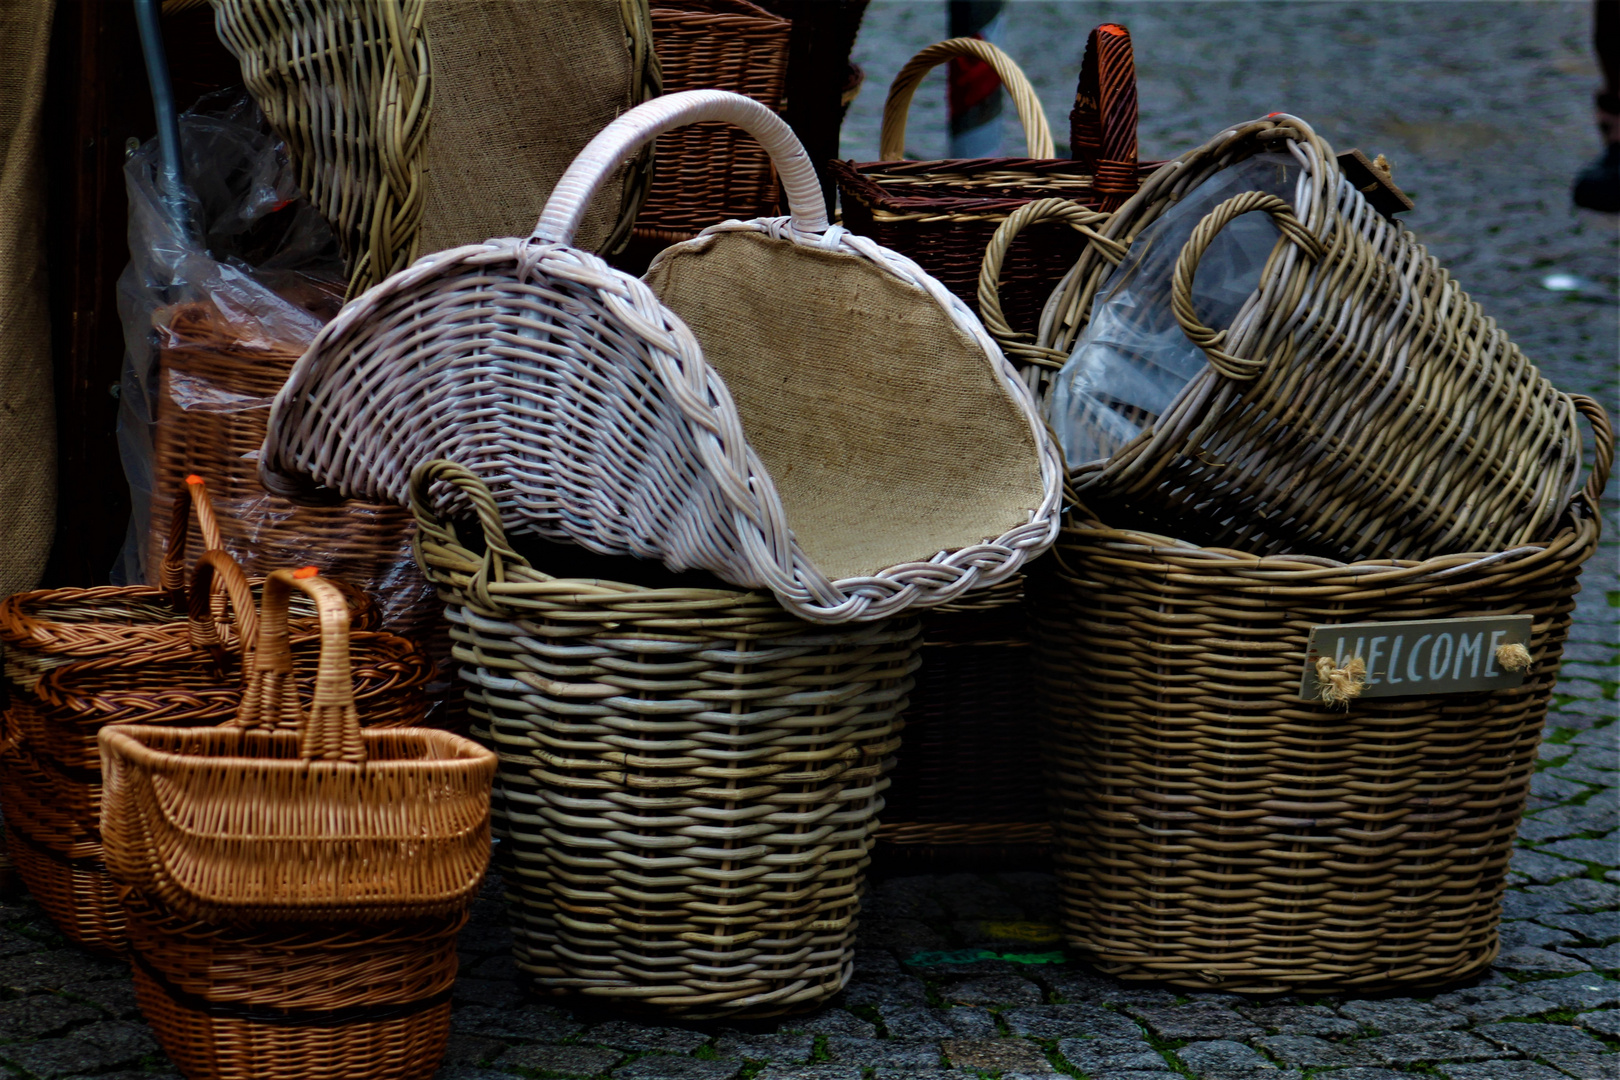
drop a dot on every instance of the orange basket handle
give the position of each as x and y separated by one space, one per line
1102 127
1602 442
330 729
1294 231
172 574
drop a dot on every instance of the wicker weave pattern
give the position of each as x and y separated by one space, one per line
709 173
330 1003
689 781
1215 831
1361 405
522 327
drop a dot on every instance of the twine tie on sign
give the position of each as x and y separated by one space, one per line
1513 657
1340 685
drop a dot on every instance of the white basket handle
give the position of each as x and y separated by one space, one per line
620 139
1037 132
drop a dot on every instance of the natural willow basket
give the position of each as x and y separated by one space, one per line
50 773
942 213
1216 830
708 173
1360 405
780 402
690 777
417 125
293 882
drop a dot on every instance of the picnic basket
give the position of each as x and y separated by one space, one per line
764 406
50 771
689 776
294 882
417 126
1215 829
1360 404
707 173
942 213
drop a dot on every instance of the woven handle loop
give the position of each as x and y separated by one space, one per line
330 729
1102 125
1293 231
892 139
203 618
1602 443
1079 218
620 140
172 572
498 551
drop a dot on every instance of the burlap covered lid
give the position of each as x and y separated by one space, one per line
781 403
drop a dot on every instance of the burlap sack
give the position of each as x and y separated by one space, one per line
890 462
27 417
519 88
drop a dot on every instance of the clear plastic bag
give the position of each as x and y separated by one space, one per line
1133 359
238 238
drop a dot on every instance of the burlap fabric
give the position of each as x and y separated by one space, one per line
27 419
519 88
871 471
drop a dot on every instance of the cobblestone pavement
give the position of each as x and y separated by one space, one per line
1483 109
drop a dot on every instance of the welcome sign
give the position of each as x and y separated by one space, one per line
1439 656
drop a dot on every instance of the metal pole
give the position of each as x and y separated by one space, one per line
148 20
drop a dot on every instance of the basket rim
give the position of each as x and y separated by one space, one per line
1581 524
131 741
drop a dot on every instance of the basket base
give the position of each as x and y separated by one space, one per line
76 894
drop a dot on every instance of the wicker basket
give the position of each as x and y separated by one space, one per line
737 412
690 777
708 173
942 213
396 113
294 895
50 774
1216 831
1361 405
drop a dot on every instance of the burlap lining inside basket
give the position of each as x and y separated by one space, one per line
887 444
519 87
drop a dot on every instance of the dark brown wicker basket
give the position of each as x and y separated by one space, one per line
1216 831
704 174
943 213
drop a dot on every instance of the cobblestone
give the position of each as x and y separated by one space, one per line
1399 1016
1431 1046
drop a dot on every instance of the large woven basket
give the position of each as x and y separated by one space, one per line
708 173
942 213
690 777
293 882
417 125
1361 405
50 773
1216 831
766 406
214 401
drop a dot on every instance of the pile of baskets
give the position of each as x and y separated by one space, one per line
739 564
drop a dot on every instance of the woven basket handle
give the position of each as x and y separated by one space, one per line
1293 231
330 730
1602 442
620 140
498 551
1037 132
1102 127
217 572
1081 219
172 573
